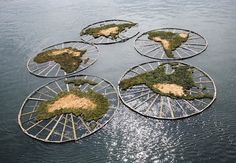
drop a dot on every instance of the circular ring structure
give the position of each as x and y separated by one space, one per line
194 45
122 36
65 127
143 100
52 69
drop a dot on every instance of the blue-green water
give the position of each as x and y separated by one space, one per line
27 26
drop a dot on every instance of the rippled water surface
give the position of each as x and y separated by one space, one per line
28 26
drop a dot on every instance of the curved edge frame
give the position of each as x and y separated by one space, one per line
69 74
178 118
59 142
107 43
170 59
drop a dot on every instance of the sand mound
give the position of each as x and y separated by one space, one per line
183 35
164 42
65 50
107 32
71 101
174 89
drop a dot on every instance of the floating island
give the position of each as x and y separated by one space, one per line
169 40
175 84
68 58
68 109
88 104
109 31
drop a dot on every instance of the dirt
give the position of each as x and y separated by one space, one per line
107 32
183 35
72 101
164 42
65 50
174 89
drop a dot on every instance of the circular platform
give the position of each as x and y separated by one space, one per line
52 69
64 127
141 99
122 37
194 45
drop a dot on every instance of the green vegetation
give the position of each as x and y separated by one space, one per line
87 114
181 76
78 82
95 32
93 125
174 40
68 58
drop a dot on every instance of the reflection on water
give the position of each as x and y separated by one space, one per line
139 137
28 26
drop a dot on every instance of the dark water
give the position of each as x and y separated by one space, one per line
27 26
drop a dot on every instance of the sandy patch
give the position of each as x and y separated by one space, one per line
164 42
183 35
65 50
71 101
107 32
174 89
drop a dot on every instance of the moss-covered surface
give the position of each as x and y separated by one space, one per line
95 32
101 102
181 76
93 125
66 57
174 39
78 82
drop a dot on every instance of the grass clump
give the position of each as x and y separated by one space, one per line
68 58
113 30
88 114
182 76
169 40
78 82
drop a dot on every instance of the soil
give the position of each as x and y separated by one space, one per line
164 42
107 32
72 101
183 35
174 89
65 50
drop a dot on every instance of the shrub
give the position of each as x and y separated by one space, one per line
68 62
173 38
102 106
95 31
181 76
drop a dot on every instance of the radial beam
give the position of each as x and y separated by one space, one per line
64 127
170 108
73 126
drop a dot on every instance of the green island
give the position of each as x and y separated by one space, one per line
88 104
174 85
109 30
169 40
69 58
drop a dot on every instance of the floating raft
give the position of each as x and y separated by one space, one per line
144 101
122 37
53 69
195 45
65 127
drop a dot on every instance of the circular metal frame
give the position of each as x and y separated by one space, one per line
122 37
65 127
195 45
52 69
144 101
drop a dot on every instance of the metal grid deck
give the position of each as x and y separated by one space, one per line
66 127
144 101
195 45
122 37
53 69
